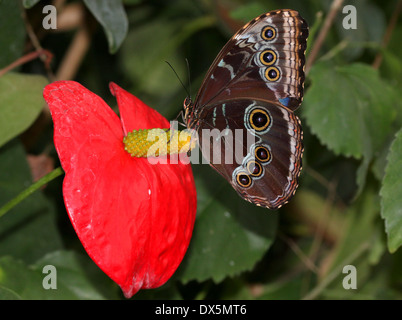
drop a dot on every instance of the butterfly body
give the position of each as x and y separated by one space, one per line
247 101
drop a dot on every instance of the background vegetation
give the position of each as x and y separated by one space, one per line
347 211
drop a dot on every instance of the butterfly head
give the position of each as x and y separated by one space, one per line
187 103
188 111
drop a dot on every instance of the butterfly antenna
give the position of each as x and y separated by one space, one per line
177 76
181 114
189 78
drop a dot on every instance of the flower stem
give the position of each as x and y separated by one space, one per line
31 189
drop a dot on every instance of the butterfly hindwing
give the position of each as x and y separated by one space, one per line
258 143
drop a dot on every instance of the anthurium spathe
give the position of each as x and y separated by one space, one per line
134 218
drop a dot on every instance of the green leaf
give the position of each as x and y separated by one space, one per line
29 230
380 163
351 111
12 35
349 108
78 276
230 234
21 102
74 275
17 278
112 16
391 190
361 173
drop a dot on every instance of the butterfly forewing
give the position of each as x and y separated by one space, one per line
247 64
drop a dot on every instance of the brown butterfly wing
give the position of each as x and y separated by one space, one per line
241 69
247 98
233 147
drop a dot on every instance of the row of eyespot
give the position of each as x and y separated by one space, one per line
269 57
253 168
259 120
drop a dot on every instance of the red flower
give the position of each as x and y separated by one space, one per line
133 218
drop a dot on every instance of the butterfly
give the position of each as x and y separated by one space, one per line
248 98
